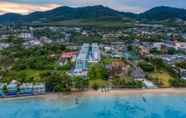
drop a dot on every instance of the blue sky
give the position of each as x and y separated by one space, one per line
137 6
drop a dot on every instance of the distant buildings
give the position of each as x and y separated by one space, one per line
172 59
25 35
130 55
181 46
183 74
4 45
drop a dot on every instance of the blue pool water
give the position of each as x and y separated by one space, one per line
147 106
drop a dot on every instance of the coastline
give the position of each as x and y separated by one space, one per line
133 92
114 92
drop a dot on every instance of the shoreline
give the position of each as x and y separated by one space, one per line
114 92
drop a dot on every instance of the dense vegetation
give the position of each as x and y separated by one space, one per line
25 64
126 82
97 71
181 65
163 74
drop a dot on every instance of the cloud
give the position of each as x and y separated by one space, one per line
24 8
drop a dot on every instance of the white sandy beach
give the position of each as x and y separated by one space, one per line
128 92
118 92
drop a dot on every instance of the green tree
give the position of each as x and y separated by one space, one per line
157 63
178 82
80 83
56 82
181 64
148 67
97 71
126 82
5 89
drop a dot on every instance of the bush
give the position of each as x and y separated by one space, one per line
178 83
95 86
181 65
126 83
147 67
97 71
56 82
80 83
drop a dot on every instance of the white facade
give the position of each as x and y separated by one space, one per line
39 89
88 54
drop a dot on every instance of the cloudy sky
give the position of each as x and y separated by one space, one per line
137 6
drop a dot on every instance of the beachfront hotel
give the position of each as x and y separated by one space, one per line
1 89
12 88
26 89
39 88
88 54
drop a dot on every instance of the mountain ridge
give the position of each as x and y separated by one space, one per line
92 12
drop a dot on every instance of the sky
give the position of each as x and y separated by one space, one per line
135 6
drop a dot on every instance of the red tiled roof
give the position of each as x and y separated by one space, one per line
68 54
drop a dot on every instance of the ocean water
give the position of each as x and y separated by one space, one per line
146 106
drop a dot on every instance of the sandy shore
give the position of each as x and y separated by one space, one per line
128 92
118 92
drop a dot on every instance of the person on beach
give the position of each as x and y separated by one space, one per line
76 100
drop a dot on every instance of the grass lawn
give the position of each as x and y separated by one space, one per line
161 78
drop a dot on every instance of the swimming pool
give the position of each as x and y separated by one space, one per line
146 106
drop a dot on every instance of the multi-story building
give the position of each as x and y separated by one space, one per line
88 54
82 59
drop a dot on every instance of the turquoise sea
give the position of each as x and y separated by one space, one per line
146 106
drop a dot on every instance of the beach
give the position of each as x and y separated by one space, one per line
129 92
115 92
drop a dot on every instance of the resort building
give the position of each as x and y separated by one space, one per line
12 88
67 57
1 89
26 89
39 89
94 54
82 60
88 54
